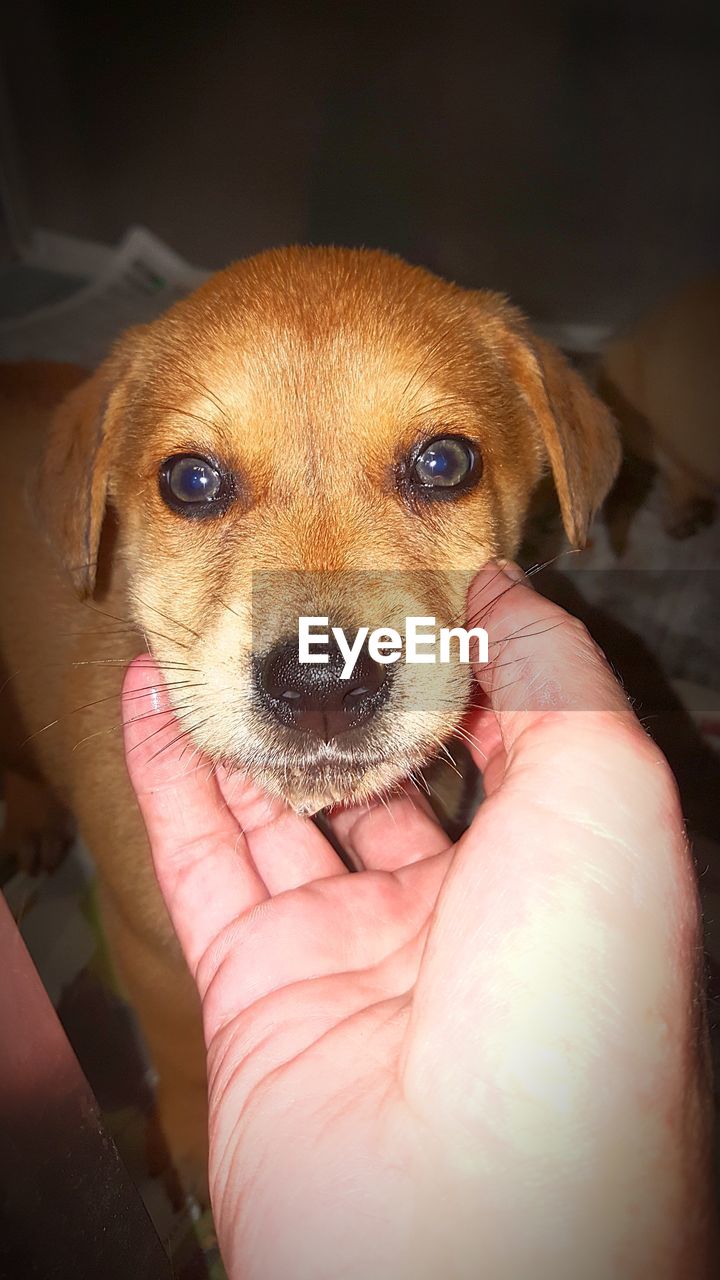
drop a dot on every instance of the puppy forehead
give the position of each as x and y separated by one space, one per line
320 365
343 380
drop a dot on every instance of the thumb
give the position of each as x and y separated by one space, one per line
205 872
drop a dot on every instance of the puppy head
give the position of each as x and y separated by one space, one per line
327 433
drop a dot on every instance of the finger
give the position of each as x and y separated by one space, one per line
576 868
201 858
389 833
541 659
370 925
287 850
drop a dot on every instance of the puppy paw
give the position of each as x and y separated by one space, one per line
37 831
682 521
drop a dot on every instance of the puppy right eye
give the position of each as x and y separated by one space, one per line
194 486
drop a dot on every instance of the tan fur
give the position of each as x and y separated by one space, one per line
311 373
662 380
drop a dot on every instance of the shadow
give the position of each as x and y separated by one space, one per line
695 765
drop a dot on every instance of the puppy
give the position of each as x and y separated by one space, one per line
321 432
662 380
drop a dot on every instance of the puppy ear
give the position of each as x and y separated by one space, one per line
70 488
577 431
580 437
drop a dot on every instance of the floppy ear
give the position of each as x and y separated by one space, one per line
579 434
70 487
577 431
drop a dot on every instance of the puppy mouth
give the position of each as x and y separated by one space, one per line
325 733
316 773
316 739
310 773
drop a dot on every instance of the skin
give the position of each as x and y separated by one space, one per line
409 1064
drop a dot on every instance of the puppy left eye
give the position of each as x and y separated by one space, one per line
192 485
445 463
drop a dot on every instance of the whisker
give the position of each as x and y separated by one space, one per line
186 733
128 629
509 662
168 725
465 736
123 662
418 779
140 692
449 761
98 662
175 621
530 635
531 572
453 768
135 696
194 755
120 724
228 607
237 776
384 802
132 625
508 685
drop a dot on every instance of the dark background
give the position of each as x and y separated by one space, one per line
564 152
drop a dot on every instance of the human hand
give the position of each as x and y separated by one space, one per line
485 1058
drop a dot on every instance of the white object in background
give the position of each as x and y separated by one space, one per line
581 339
133 284
53 251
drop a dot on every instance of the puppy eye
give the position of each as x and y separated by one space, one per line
445 463
193 486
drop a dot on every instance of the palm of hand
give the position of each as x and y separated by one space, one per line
405 1064
308 1015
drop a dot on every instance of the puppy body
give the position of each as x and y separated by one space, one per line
63 663
662 380
312 378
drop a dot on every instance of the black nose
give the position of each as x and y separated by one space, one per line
314 696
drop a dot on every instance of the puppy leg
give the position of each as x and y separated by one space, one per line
144 950
37 830
687 505
158 985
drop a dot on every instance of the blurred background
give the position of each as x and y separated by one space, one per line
563 151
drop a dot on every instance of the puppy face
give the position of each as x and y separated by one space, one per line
326 433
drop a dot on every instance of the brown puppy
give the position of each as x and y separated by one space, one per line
662 380
315 431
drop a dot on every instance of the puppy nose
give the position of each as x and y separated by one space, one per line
314 696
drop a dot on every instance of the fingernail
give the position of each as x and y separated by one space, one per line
512 570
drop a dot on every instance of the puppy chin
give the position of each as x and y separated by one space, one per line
314 789
313 774
307 791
